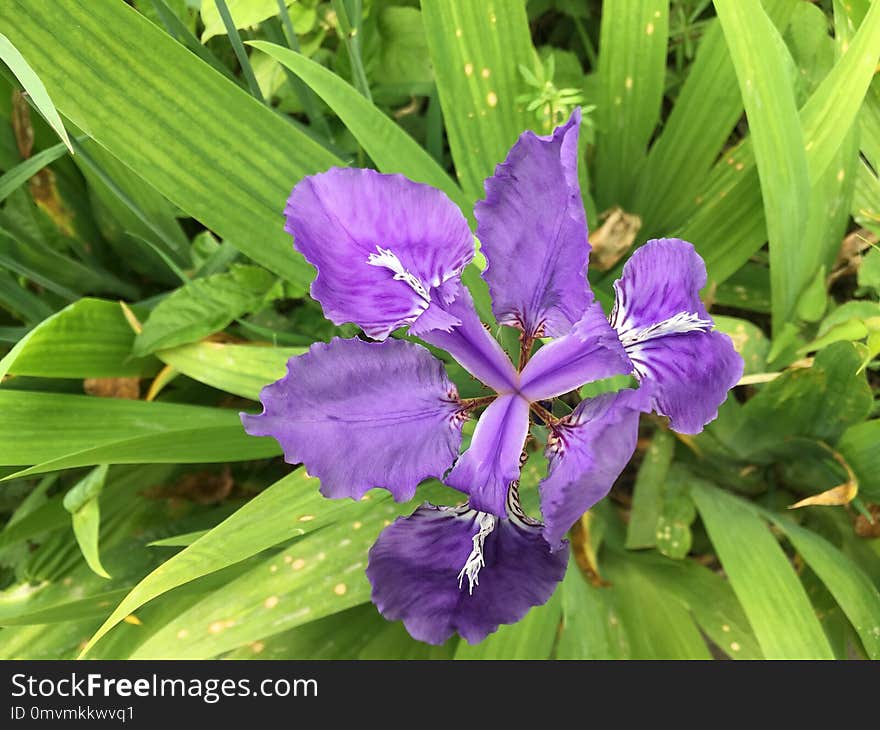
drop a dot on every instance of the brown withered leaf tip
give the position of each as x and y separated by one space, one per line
124 388
613 238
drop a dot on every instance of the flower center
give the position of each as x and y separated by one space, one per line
386 258
678 324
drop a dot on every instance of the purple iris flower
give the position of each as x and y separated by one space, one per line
390 253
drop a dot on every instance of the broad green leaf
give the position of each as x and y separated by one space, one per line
592 626
87 339
648 491
775 130
403 50
768 589
317 575
531 638
82 503
71 430
476 49
632 72
851 588
290 507
699 126
860 446
748 339
251 12
223 157
205 306
389 146
667 631
28 78
240 369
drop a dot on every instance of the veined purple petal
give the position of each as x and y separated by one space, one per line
486 469
668 335
590 351
471 345
361 414
452 569
586 453
382 245
533 232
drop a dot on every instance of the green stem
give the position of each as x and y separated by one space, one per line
240 53
349 35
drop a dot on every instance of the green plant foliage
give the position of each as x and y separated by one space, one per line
149 292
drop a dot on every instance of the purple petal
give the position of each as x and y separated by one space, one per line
486 469
668 335
590 351
472 345
361 414
586 453
417 569
381 244
533 232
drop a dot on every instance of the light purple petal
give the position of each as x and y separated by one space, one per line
381 244
586 453
472 345
668 335
361 414
416 565
486 469
533 232
590 351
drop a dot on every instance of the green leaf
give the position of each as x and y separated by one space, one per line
858 446
476 49
251 12
223 158
632 72
390 147
87 339
61 431
240 369
869 271
777 139
851 588
205 306
531 638
403 50
82 503
290 507
19 174
769 590
748 339
11 56
648 491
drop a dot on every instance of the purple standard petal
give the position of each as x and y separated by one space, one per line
486 469
452 569
668 335
590 351
472 346
586 452
533 232
382 244
361 414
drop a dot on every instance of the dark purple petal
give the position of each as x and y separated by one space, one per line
361 414
486 469
417 570
471 345
382 245
586 453
533 232
590 351
668 335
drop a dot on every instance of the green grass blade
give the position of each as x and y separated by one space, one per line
632 72
223 157
476 49
19 174
768 589
238 48
28 78
759 57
